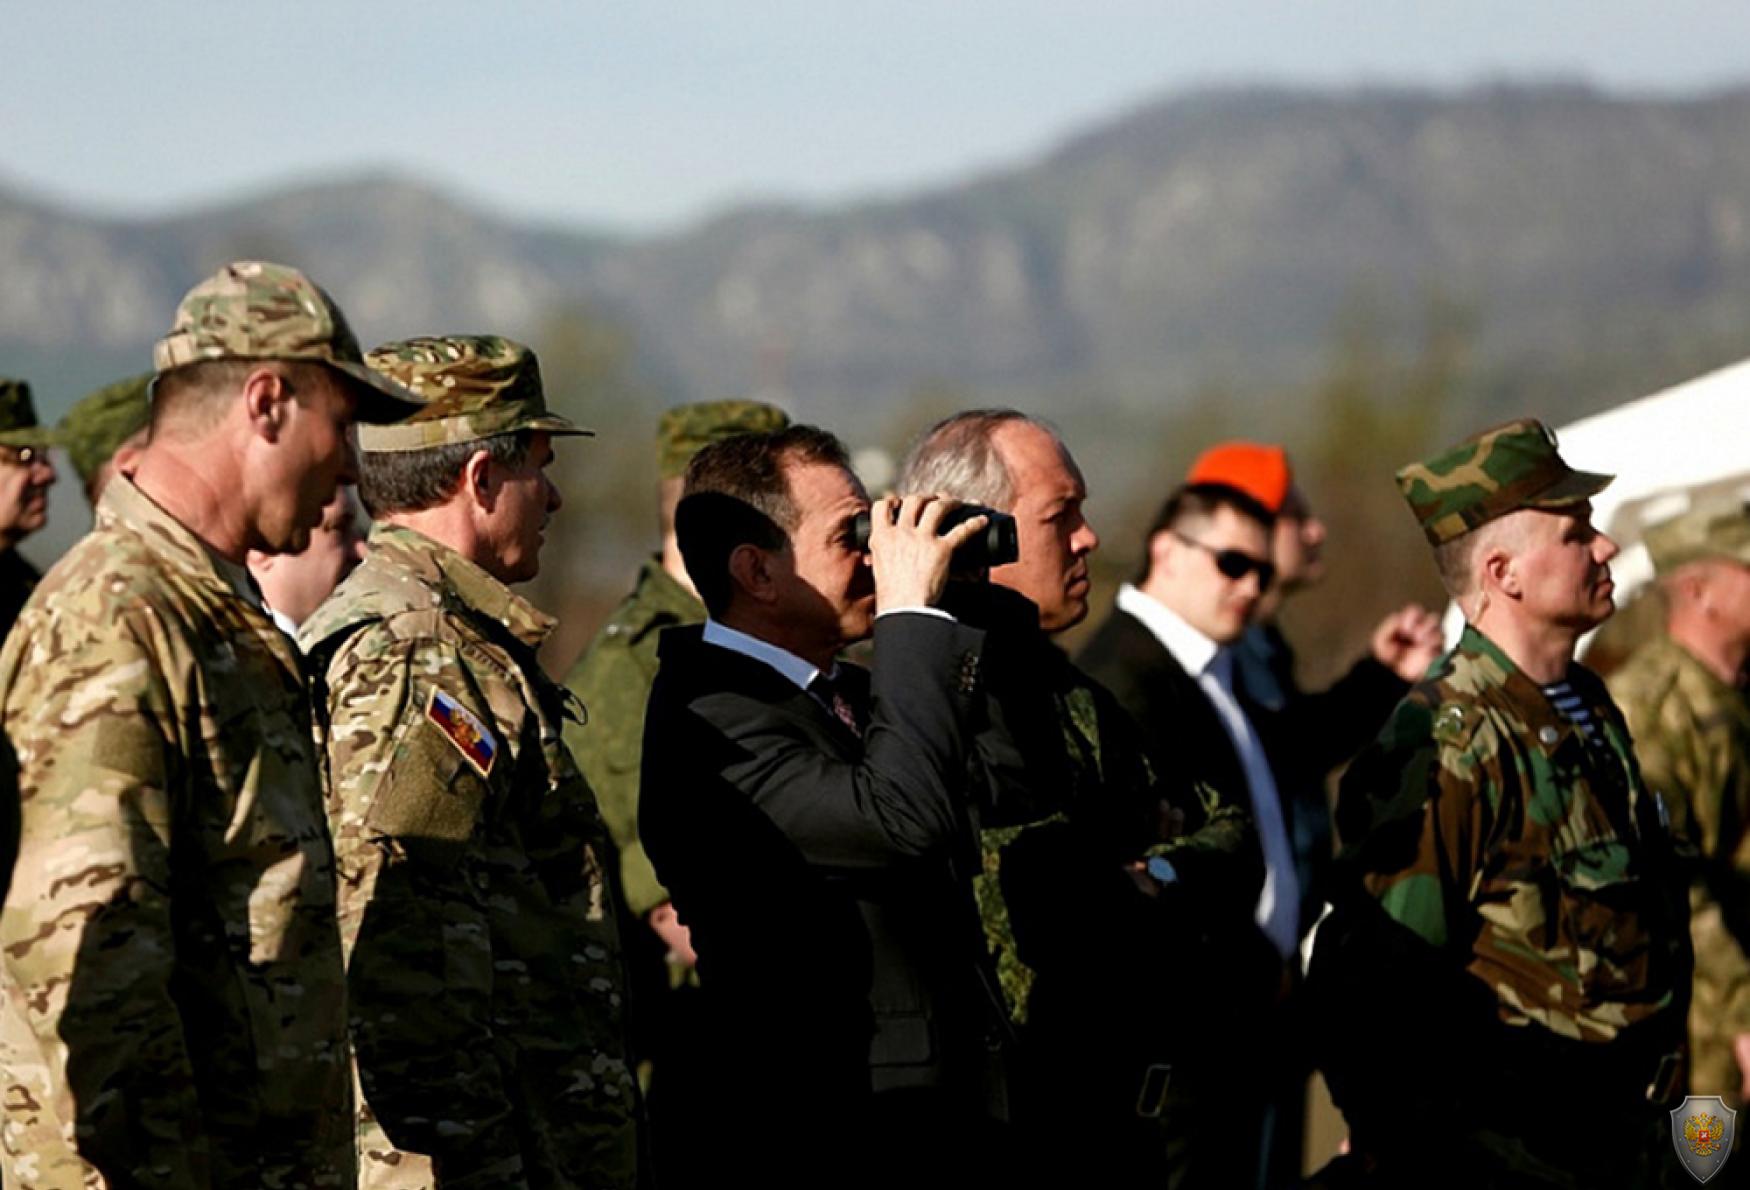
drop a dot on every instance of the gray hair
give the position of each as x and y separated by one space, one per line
957 458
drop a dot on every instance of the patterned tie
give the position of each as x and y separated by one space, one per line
827 692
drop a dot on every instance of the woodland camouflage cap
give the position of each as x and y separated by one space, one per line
251 309
473 386
1491 474
685 430
18 425
1719 528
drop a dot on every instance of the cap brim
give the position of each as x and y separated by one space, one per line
380 400
552 423
38 437
1573 488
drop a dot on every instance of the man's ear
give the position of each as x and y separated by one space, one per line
750 568
1496 572
265 398
480 480
1160 551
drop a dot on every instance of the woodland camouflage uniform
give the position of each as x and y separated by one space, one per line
1509 967
484 973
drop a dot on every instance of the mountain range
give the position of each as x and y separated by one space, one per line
1598 244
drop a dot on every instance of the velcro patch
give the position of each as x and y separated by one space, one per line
463 728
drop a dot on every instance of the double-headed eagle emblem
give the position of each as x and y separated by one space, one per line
1704 1134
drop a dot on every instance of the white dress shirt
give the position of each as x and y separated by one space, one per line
785 662
1212 666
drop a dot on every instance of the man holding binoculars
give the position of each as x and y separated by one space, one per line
809 818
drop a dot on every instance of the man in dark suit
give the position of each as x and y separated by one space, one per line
1164 652
807 817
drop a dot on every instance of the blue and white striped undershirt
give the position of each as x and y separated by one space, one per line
1573 708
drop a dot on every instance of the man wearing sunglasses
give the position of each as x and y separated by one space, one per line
1165 652
26 475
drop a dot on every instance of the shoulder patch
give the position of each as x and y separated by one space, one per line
1455 723
464 729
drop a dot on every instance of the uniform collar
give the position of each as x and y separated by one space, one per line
1545 726
456 580
125 506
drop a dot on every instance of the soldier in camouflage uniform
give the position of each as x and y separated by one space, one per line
1683 697
173 1008
1091 859
484 976
104 431
612 680
26 474
1504 984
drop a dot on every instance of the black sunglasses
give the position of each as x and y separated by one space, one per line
1235 564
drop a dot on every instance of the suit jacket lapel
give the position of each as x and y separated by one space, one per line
1185 719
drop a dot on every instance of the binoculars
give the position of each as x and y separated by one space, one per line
997 545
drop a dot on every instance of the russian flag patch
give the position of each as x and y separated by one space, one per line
462 728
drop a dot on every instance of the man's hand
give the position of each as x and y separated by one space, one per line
679 940
1741 1051
909 557
1407 641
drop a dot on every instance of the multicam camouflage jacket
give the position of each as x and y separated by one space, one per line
1483 821
613 680
173 1010
1692 736
483 965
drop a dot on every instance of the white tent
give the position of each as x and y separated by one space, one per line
1663 448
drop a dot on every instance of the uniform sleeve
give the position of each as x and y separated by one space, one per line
87 931
413 757
614 687
1417 809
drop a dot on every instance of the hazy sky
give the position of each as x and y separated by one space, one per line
646 113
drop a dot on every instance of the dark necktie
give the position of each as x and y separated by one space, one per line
830 696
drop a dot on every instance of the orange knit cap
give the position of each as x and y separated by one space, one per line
1261 472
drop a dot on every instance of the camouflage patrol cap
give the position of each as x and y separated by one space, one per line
99 422
1717 528
251 309
474 386
18 425
685 430
1491 474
